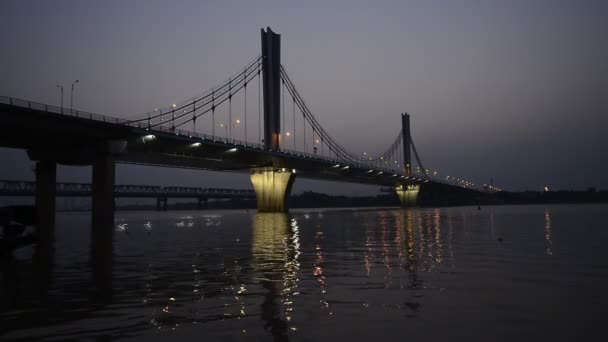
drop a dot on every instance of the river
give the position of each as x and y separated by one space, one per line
502 273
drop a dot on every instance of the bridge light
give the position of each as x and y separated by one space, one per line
287 134
369 171
174 105
283 170
293 171
232 150
196 144
149 137
346 167
380 172
335 166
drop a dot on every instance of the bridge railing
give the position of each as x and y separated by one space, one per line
59 110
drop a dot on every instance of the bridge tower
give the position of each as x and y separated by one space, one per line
407 194
407 153
271 72
272 185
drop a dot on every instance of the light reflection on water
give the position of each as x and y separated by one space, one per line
490 274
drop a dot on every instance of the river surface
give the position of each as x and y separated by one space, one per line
505 273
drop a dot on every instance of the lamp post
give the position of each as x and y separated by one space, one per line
61 88
234 124
72 95
226 128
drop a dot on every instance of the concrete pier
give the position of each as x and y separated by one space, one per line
102 215
46 175
408 195
272 188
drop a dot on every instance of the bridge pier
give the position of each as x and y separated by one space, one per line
408 195
202 203
161 203
46 179
102 211
272 188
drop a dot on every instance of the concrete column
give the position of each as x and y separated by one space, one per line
46 187
102 215
272 188
408 195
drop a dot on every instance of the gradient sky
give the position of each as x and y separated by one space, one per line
514 90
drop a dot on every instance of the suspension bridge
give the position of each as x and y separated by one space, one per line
255 122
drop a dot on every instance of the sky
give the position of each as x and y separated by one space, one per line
514 91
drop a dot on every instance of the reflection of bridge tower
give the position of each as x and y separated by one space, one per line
275 252
272 185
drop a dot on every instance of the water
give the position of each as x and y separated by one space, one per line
500 274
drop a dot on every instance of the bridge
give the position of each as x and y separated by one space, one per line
290 141
15 188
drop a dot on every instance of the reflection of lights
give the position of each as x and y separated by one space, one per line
276 251
549 243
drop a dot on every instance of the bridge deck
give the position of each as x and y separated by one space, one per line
72 136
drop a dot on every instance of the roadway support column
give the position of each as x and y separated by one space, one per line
103 200
272 187
408 195
46 185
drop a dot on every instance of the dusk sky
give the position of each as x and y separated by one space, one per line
516 91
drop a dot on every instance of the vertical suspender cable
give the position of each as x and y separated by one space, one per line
245 109
294 123
259 109
283 103
213 113
230 110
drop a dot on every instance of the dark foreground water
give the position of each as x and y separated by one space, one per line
511 273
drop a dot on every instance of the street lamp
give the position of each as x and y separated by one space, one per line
61 88
72 95
226 128
234 124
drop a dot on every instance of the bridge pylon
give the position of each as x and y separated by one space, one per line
271 72
407 153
